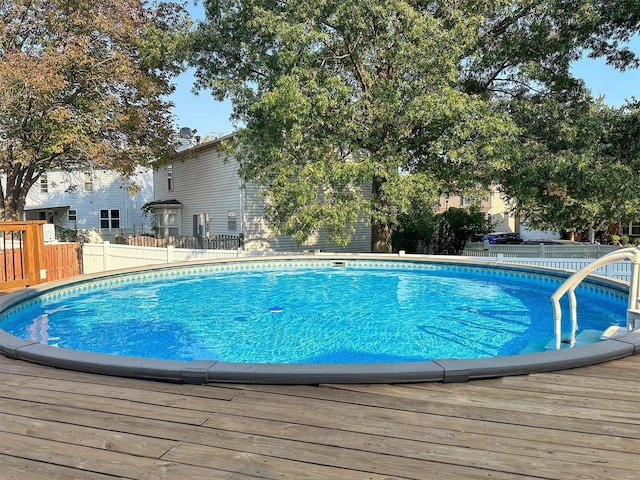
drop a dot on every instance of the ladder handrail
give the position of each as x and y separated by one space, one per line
570 284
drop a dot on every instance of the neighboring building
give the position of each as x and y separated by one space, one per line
201 194
631 229
98 200
497 211
492 205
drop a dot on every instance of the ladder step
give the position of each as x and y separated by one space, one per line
586 337
614 331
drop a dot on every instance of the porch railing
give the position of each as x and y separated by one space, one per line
212 242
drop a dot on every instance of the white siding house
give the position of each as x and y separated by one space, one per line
201 194
97 200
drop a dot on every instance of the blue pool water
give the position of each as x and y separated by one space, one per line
282 313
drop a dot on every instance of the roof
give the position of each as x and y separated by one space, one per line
46 207
205 146
165 203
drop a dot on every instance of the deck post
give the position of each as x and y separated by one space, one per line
35 261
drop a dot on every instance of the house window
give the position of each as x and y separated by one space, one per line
172 225
88 182
231 221
44 183
110 218
158 222
167 223
72 215
170 177
632 228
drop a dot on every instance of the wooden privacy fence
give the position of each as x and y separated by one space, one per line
63 260
25 260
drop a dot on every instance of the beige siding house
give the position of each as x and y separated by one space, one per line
201 193
494 206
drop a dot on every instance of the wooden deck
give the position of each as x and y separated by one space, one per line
577 424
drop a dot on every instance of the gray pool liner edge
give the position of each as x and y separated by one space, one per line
205 371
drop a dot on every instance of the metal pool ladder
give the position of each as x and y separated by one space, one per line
570 284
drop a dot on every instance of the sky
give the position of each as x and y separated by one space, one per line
210 117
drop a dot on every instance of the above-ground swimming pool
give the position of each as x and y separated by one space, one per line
311 320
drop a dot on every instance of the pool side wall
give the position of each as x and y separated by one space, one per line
209 371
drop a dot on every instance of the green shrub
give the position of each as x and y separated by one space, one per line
445 233
66 234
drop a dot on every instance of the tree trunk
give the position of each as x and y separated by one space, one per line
19 180
380 229
11 210
381 238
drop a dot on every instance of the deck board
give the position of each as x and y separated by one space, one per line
576 424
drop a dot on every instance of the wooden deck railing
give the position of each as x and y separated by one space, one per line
25 260
22 261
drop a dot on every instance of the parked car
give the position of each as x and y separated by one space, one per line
551 241
502 238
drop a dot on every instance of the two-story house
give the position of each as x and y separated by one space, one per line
492 205
201 193
102 201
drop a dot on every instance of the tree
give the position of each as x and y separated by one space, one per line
336 95
410 97
573 175
84 84
560 175
580 168
622 137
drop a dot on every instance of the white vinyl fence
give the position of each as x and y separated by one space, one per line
618 270
538 251
564 257
100 257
